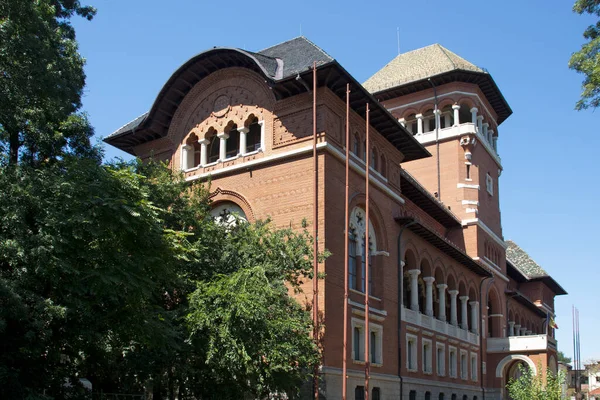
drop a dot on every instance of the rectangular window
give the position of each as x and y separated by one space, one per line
463 365
469 172
474 367
411 352
359 393
427 368
356 341
440 358
373 344
452 362
376 394
489 184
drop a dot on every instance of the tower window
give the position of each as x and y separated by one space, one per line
469 171
489 184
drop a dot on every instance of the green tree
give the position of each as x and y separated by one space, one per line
529 386
41 81
587 60
562 358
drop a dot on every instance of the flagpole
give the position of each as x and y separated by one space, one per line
366 255
315 233
346 245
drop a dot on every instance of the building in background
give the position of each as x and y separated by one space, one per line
470 305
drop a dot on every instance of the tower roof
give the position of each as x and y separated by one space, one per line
418 64
418 69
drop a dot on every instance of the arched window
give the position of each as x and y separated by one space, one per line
191 153
464 114
213 148
411 124
357 242
374 159
228 213
356 145
383 167
441 396
232 144
447 117
253 137
428 121
427 395
410 263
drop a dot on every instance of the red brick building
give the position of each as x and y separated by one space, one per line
454 308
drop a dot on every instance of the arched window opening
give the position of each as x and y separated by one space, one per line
490 325
374 159
359 393
410 263
427 395
447 117
253 137
464 114
428 121
364 149
422 295
228 213
232 144
357 242
192 153
383 167
411 124
441 396
213 148
356 145
473 311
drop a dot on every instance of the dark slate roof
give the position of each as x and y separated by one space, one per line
287 68
518 258
298 55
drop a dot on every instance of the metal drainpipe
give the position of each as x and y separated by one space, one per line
481 331
400 300
437 141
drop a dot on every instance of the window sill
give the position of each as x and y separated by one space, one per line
412 370
427 373
363 293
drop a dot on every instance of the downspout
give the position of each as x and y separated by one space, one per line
437 141
400 300
481 303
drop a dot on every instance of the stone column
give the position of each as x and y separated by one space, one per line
511 328
523 330
464 317
480 125
414 289
442 305
437 118
223 145
204 151
485 126
517 330
474 316
474 115
419 123
456 108
429 295
185 157
453 313
494 141
243 131
447 120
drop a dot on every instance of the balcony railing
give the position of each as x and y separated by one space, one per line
439 326
519 344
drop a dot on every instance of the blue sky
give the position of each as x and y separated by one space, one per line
548 189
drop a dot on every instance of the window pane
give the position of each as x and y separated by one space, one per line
253 137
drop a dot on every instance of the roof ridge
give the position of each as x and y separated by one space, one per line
443 49
284 42
316 47
528 256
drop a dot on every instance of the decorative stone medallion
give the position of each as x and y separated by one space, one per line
221 106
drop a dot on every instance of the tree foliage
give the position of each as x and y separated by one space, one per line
98 265
563 358
41 81
587 59
529 386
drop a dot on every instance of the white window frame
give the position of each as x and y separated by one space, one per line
440 371
452 373
474 367
489 184
411 341
464 369
427 356
373 328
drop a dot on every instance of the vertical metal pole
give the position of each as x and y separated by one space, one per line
346 244
367 333
315 232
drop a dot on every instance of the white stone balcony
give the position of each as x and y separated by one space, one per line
520 344
436 325
458 131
